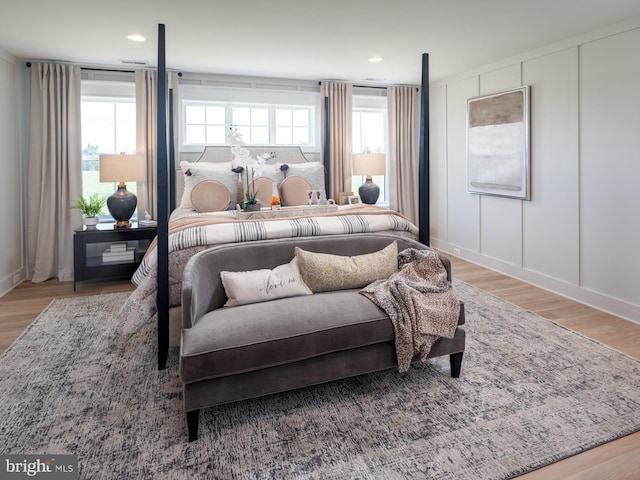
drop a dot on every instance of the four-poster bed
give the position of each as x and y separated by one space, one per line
359 220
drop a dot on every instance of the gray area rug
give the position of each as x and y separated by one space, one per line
531 392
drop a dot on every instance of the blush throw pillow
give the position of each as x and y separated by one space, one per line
210 196
196 172
293 191
263 285
323 272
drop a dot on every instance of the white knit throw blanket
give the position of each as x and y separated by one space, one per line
419 301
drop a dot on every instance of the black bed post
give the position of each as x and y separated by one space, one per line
423 155
325 154
162 299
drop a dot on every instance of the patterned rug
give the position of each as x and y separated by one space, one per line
530 393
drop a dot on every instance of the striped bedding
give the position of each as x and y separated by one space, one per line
191 232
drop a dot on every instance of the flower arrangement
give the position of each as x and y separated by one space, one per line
243 162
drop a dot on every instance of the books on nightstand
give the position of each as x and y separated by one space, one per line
119 252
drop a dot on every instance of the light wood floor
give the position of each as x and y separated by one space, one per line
616 460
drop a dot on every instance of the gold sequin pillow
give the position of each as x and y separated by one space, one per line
323 272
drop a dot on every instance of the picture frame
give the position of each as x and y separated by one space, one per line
353 200
498 144
343 198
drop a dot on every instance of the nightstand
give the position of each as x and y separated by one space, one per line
107 253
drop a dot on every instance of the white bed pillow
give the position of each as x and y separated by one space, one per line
312 172
267 171
263 285
196 172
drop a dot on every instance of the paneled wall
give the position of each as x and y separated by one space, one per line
580 232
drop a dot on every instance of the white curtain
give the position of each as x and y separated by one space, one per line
340 134
146 134
172 84
403 154
54 171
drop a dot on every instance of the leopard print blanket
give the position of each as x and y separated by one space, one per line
419 301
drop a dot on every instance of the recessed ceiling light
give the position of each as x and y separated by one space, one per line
137 38
375 59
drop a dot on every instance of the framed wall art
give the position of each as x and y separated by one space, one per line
498 144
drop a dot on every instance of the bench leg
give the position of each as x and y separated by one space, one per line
456 364
192 424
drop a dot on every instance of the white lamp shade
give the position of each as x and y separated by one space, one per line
369 164
122 168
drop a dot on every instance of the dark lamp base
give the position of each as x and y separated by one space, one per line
369 192
122 224
121 205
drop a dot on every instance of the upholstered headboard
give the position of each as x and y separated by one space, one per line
222 153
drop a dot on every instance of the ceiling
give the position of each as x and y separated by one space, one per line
301 39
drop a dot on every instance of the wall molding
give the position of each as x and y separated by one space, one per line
596 300
571 42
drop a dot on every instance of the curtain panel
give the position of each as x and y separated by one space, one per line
146 133
339 134
54 171
403 154
146 115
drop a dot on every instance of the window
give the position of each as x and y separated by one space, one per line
369 135
252 123
108 122
205 124
108 126
292 126
208 123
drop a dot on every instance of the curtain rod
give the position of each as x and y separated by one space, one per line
370 86
97 69
375 86
380 87
29 63
93 69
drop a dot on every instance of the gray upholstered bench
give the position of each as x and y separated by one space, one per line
242 352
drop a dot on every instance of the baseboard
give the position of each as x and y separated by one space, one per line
11 281
597 300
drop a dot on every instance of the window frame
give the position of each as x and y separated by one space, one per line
229 123
376 104
282 96
113 92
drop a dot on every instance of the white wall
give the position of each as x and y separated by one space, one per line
11 240
580 232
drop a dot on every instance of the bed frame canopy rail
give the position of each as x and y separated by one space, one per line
166 187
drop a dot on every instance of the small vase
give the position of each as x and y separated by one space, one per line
90 222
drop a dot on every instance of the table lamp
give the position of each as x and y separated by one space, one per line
369 164
122 168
